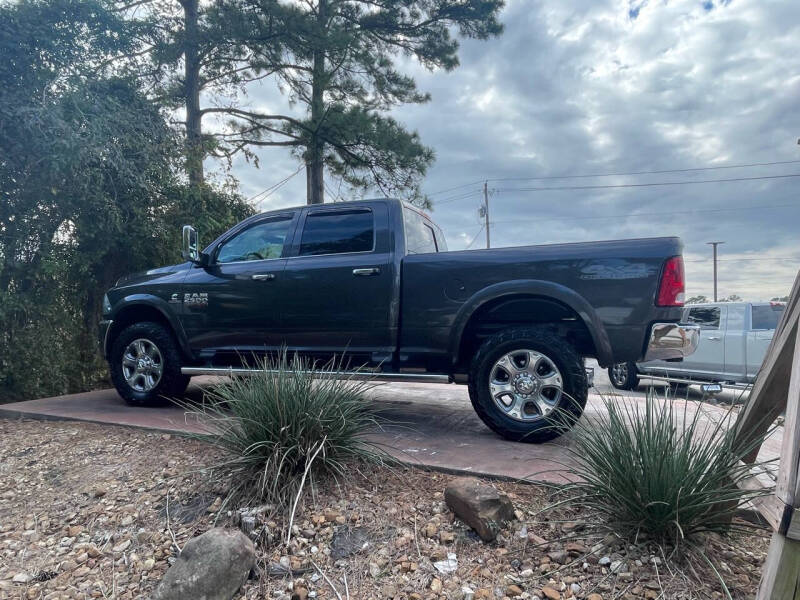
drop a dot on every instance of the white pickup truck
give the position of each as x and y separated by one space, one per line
734 337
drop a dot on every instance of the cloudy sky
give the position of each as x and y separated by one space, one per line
589 87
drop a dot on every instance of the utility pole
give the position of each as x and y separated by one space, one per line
486 210
714 245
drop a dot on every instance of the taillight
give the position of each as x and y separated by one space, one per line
672 287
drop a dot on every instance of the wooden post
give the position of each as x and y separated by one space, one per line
777 389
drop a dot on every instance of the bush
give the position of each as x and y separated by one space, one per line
288 423
659 470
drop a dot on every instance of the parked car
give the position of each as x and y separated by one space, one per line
734 337
374 279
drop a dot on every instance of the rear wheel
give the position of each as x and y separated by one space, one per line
528 384
146 364
624 376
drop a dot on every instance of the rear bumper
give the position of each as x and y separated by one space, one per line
672 341
102 335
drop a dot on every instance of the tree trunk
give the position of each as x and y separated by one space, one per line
315 166
191 94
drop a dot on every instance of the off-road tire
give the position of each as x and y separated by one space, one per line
631 379
545 341
171 384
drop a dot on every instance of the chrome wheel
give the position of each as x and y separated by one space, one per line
142 365
619 374
526 385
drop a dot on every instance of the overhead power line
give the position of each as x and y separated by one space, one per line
269 191
641 185
617 174
475 238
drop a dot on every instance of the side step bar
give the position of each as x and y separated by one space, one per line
366 375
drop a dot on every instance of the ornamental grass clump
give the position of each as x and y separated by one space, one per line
287 424
664 468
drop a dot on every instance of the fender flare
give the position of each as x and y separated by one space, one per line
159 304
543 289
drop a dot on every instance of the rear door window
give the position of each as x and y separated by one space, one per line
705 316
766 316
420 237
338 232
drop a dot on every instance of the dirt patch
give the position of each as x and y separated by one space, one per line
83 514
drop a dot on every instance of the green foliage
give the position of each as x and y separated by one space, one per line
288 422
659 470
337 59
89 190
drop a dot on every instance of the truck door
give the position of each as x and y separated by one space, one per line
735 339
237 302
340 282
763 321
709 358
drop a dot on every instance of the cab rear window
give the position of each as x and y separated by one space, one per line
766 316
420 237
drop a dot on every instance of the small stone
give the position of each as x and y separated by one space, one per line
81 572
618 566
559 557
122 546
446 537
436 585
576 548
479 505
300 593
605 561
526 573
21 578
99 492
74 530
551 593
574 588
594 597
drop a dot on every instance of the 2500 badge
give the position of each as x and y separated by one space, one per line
199 299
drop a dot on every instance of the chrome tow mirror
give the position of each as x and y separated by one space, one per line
190 249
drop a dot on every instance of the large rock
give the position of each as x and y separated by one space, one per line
479 505
212 566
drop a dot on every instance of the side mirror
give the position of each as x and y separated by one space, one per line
189 250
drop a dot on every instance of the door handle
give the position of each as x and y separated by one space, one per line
715 338
263 276
366 272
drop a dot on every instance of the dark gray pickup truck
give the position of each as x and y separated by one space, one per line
374 280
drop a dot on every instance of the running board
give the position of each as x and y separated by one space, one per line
366 375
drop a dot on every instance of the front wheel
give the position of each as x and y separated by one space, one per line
146 364
624 376
528 384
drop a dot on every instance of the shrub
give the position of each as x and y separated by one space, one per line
659 470
287 424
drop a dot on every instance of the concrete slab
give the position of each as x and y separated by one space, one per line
436 428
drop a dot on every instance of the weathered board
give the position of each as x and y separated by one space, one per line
777 390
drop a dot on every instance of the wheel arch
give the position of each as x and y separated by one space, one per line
139 308
504 304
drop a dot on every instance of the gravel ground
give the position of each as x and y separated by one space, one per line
83 515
